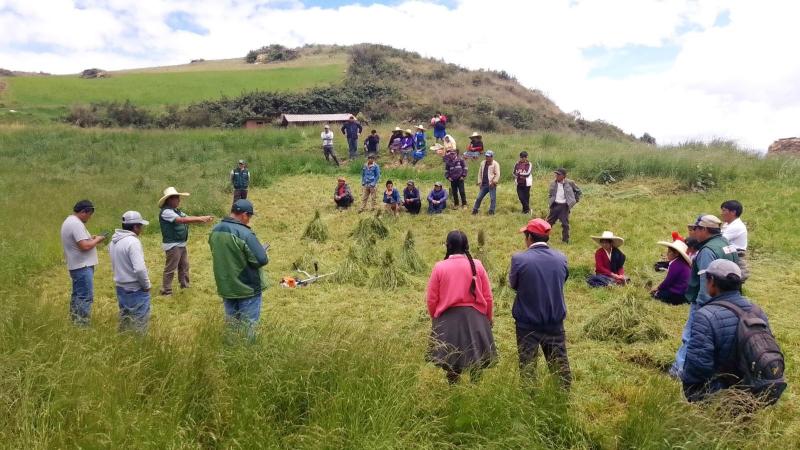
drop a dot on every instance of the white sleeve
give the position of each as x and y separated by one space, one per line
169 215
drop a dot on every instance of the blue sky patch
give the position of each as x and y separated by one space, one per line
333 4
723 19
630 60
183 21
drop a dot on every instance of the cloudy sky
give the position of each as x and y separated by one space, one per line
678 69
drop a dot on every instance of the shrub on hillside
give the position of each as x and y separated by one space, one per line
110 114
271 53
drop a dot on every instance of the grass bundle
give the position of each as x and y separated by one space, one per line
389 276
481 252
352 270
316 229
409 258
628 321
367 251
503 294
305 261
370 226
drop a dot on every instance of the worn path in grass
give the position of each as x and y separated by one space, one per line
612 380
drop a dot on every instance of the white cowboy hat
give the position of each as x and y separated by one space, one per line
475 134
170 192
680 247
407 130
616 241
398 129
420 127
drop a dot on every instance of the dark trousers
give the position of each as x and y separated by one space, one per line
456 189
560 212
554 348
352 144
239 194
327 150
413 207
524 194
670 298
345 201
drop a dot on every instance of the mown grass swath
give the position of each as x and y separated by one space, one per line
341 364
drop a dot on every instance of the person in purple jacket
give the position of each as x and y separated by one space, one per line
455 170
673 289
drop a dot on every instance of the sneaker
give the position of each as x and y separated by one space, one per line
474 212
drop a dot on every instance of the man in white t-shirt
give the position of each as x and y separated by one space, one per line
80 253
733 229
327 144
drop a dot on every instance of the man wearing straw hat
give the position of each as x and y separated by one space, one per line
538 275
673 289
174 234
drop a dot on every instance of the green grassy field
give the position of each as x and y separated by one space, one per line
342 366
156 89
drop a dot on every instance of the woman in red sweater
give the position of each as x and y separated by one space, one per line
609 261
459 298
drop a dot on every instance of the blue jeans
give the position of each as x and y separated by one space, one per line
134 310
436 209
492 191
80 305
242 314
680 356
352 144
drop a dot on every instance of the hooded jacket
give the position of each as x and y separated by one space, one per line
237 257
127 261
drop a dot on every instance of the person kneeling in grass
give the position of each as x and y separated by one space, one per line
342 195
459 297
673 289
608 261
130 273
391 198
437 199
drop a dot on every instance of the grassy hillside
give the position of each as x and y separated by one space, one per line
341 366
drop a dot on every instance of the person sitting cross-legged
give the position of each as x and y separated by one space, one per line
411 199
609 261
437 199
679 268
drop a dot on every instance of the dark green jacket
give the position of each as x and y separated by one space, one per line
238 258
172 232
715 247
240 178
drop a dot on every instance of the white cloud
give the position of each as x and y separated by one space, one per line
736 81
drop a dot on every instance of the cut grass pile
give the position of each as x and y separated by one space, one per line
352 270
628 320
371 226
388 275
316 230
409 258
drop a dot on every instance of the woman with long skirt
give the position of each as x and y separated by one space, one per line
460 304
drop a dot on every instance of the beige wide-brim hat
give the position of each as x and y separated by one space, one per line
398 129
680 247
407 131
420 127
169 192
474 135
616 241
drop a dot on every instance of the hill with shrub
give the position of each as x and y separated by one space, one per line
382 83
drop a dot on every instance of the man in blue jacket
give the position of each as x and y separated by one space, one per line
711 351
352 129
538 275
370 175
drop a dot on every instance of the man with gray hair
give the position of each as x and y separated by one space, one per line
130 273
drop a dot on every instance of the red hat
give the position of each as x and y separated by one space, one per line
537 226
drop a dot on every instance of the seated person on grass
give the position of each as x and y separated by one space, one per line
608 261
411 199
391 198
679 269
437 199
342 195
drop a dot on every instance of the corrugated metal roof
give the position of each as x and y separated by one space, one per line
294 118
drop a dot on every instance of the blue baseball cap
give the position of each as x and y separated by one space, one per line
243 206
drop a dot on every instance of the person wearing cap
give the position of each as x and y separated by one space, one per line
406 145
488 177
411 198
342 195
609 261
679 267
475 146
522 173
327 145
455 171
352 129
712 355
370 176
174 236
80 254
395 141
538 275
131 281
240 179
460 304
420 145
439 123
238 259
391 199
437 199
711 246
371 143
563 195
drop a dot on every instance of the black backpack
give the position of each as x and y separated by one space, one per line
759 360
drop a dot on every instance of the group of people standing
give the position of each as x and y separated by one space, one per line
236 253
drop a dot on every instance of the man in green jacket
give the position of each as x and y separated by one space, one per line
238 259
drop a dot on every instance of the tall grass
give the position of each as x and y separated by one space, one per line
340 364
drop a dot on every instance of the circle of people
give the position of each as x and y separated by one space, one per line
705 270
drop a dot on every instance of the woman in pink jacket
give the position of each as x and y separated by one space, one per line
460 305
